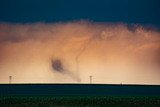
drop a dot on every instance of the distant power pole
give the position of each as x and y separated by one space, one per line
10 79
90 78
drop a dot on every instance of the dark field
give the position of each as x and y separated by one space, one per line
79 95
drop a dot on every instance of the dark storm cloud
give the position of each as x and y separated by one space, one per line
133 11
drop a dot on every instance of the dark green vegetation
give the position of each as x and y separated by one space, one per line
79 95
108 101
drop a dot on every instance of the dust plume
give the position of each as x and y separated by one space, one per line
70 52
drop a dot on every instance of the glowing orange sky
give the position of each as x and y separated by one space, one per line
111 53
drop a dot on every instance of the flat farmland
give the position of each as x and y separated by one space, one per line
79 95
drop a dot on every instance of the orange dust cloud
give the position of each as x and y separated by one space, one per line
112 53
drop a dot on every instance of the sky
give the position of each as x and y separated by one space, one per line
128 11
67 41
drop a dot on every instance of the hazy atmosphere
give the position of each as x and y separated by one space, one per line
71 52
70 41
